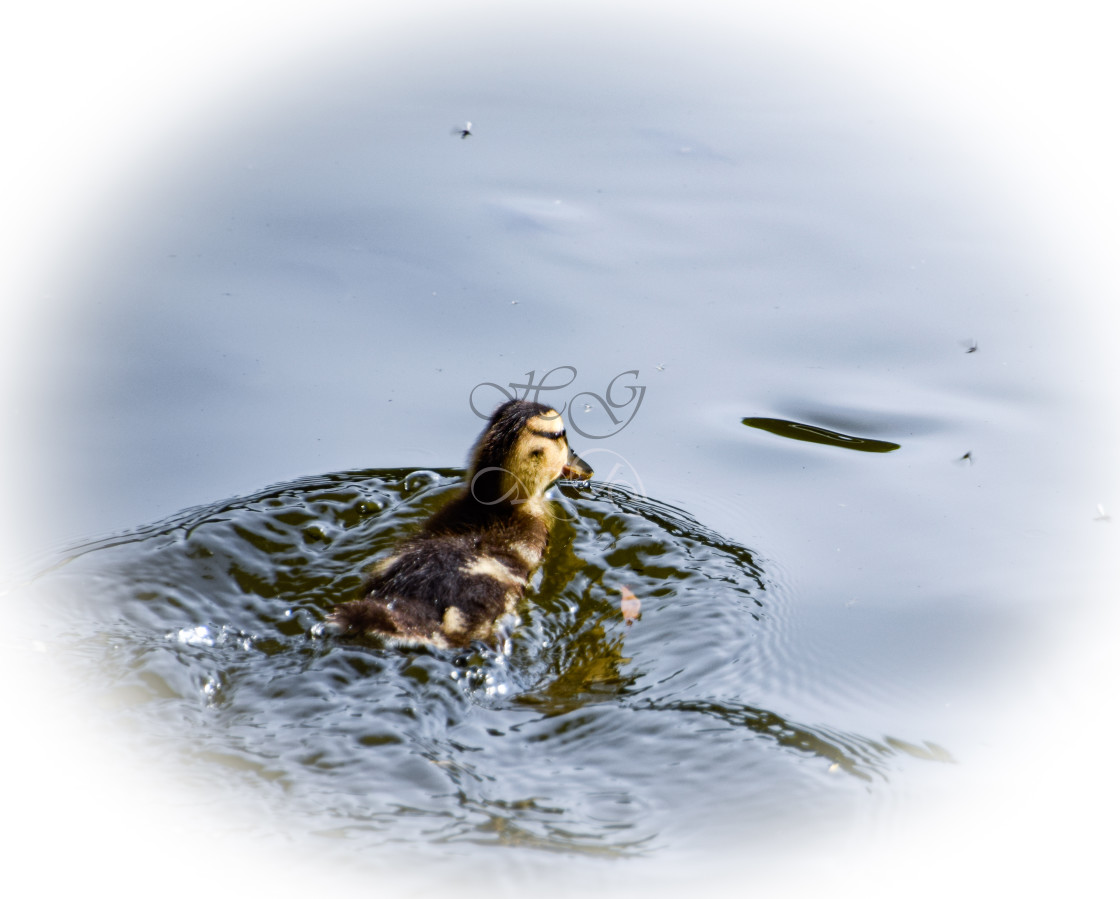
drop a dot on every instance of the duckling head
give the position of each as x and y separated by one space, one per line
523 450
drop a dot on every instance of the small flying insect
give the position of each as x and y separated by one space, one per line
462 131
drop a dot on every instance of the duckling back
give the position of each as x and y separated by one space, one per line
447 588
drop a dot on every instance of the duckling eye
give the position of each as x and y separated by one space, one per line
536 452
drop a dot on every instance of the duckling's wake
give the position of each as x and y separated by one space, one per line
202 636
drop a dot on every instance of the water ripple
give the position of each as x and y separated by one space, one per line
203 632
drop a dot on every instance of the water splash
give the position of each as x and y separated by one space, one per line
205 633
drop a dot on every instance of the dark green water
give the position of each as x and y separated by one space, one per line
204 633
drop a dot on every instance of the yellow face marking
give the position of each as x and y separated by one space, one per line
548 422
539 456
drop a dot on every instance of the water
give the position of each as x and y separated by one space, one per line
321 286
211 625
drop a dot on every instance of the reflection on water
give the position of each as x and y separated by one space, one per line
204 631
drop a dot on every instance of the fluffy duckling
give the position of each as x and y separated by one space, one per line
468 566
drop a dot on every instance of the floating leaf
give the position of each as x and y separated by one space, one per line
796 430
631 606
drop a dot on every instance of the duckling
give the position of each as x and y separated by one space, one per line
467 568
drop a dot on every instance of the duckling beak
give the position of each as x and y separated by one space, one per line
576 469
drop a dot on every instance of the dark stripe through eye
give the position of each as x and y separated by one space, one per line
551 435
